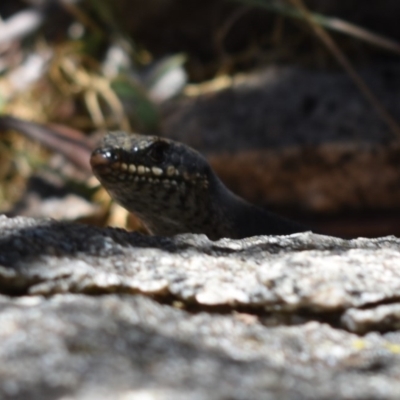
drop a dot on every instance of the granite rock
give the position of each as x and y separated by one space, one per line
99 313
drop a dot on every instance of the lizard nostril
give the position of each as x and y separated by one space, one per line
102 158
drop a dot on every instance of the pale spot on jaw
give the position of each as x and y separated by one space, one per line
170 170
157 171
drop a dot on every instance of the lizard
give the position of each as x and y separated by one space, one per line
173 190
337 173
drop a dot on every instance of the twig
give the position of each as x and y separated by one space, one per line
346 64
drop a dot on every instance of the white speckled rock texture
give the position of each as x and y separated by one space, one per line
102 313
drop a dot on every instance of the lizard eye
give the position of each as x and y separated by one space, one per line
157 151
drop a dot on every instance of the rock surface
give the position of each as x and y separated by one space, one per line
102 313
285 107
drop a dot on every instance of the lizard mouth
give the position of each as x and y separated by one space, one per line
113 166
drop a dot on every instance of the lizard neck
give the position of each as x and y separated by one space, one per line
243 219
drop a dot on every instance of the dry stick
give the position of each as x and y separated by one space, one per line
345 63
226 27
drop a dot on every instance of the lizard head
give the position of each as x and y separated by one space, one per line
162 181
149 161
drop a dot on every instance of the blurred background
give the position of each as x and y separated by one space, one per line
294 102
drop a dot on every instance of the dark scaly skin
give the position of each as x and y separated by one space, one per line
173 190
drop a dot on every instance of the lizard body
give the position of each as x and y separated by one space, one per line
173 190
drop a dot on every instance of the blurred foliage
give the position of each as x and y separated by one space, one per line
96 72
102 64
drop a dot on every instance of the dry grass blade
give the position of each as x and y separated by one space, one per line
331 23
74 79
345 63
360 33
80 16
